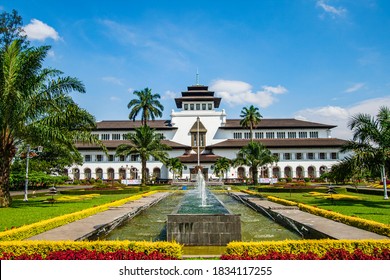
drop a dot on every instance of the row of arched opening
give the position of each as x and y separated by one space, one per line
286 172
111 174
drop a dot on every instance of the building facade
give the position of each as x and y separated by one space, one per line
199 133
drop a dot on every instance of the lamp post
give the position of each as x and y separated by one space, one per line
26 180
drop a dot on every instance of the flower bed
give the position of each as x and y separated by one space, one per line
309 250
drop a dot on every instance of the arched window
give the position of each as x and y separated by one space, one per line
110 174
156 172
323 169
241 173
99 173
287 172
276 172
76 174
122 173
87 173
299 172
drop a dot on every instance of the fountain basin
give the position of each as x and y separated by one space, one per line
204 229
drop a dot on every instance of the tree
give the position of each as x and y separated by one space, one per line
250 118
255 155
147 104
371 142
146 143
35 108
175 166
222 166
11 29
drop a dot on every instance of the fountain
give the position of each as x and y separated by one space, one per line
202 219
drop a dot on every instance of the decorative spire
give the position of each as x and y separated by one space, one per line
197 77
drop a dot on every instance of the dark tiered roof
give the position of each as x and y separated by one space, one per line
129 125
113 144
197 93
277 123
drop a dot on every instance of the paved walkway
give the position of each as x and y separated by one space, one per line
333 229
100 222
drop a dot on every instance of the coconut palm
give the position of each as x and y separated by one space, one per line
222 166
147 104
146 143
35 108
250 118
371 142
175 166
255 155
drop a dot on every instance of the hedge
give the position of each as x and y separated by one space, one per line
318 247
44 248
27 231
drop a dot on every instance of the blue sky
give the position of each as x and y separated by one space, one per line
319 60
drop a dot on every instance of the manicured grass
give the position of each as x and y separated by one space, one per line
38 208
370 207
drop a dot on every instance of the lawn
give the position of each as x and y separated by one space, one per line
38 208
370 207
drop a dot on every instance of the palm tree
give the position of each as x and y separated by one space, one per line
35 108
255 155
222 166
250 118
146 143
175 166
371 142
147 104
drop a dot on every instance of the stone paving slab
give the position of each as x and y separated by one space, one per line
329 227
88 226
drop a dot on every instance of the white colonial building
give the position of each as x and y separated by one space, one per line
304 149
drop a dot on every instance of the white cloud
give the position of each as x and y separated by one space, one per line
113 80
354 87
238 92
37 30
169 95
114 98
335 115
331 10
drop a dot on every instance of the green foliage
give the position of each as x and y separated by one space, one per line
250 118
222 166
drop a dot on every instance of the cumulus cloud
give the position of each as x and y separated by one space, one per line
38 30
169 95
354 87
331 10
335 115
238 92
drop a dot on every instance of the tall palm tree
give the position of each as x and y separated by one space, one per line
371 142
175 166
146 143
35 108
222 166
255 155
147 104
250 118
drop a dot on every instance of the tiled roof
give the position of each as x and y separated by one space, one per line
113 144
129 125
283 143
193 158
276 123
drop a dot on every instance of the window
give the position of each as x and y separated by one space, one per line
287 156
87 158
185 106
122 158
270 135
322 155
106 136
302 134
237 135
99 158
292 135
259 135
116 136
281 135
96 136
247 135
299 156
276 155
210 105
313 134
310 156
334 155
203 106
134 157
192 106
197 106
110 157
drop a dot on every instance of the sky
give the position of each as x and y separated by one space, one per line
317 60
